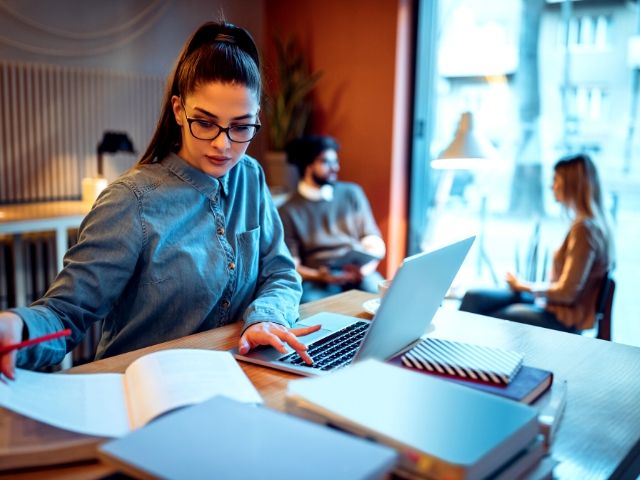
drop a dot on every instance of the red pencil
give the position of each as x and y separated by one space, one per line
33 341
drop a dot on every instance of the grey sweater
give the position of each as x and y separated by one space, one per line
320 231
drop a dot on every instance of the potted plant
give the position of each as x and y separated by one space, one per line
287 109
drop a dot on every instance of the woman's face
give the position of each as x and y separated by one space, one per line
558 188
225 105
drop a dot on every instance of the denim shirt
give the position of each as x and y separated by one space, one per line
168 251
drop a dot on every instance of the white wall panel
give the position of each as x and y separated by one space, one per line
52 119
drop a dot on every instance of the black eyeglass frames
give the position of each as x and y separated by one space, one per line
207 130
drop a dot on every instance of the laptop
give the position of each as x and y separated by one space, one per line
403 316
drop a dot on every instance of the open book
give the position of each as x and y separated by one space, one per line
113 404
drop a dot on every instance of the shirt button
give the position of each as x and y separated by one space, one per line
226 303
220 231
232 266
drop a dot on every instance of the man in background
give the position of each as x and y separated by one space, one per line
327 223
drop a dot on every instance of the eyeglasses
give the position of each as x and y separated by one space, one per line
329 162
207 130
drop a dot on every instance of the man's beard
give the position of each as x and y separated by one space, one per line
321 181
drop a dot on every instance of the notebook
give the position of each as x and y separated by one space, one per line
353 257
440 429
405 312
222 438
526 387
463 360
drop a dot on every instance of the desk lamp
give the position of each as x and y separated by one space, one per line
112 142
467 151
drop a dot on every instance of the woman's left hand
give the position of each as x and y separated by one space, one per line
274 334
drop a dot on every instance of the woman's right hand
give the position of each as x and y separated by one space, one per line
10 332
515 284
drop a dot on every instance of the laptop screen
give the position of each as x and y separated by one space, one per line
416 292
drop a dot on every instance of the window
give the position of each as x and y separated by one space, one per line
510 201
586 32
588 103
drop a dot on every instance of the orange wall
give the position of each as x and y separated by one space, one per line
362 96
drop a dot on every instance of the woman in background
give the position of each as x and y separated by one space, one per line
187 241
579 265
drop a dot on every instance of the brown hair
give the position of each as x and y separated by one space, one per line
582 191
581 185
216 52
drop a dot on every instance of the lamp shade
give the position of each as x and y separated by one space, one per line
113 142
468 150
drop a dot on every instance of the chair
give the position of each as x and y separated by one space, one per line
604 305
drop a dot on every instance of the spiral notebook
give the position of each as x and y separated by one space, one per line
464 360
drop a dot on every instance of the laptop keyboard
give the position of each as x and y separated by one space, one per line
334 351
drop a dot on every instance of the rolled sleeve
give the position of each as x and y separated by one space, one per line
258 314
41 321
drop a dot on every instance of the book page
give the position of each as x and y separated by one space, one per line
93 404
169 379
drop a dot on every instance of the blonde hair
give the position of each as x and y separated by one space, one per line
581 185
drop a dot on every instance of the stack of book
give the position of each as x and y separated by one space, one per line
223 438
492 370
440 429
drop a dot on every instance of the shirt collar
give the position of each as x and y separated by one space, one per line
315 194
224 182
199 180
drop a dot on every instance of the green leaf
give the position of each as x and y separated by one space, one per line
289 104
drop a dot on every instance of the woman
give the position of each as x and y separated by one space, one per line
187 241
579 265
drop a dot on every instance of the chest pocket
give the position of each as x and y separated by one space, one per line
247 254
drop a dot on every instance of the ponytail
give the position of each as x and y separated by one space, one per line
216 52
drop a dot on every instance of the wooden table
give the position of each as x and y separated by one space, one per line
599 436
